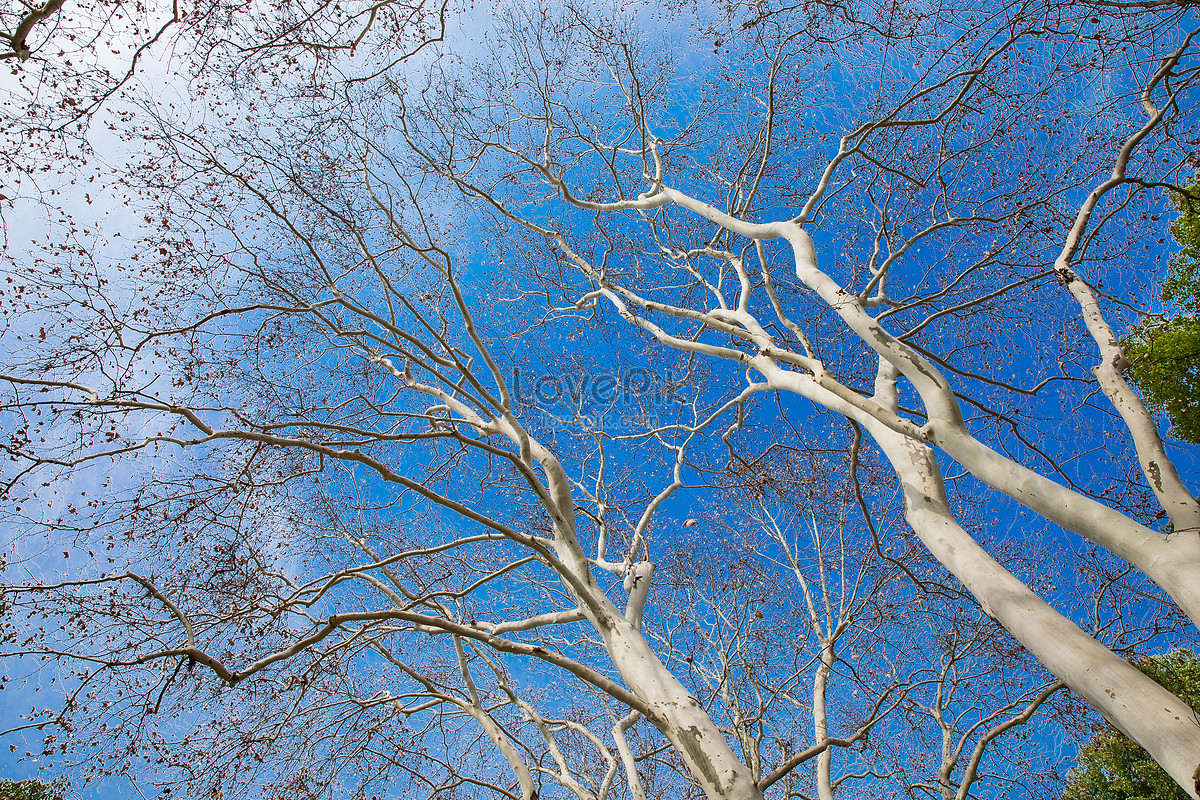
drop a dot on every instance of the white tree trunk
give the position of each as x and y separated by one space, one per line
1136 705
821 722
678 715
1173 562
1173 565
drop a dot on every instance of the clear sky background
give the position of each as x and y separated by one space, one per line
24 688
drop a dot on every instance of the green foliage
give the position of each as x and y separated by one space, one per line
30 790
1183 286
1165 356
1165 365
1111 767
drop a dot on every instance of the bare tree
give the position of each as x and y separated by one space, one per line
71 64
365 499
915 162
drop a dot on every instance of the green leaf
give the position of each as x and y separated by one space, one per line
1164 357
30 790
1165 365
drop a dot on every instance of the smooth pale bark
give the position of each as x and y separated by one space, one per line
506 747
1161 475
669 706
1143 710
677 714
821 722
1176 499
667 703
632 778
1136 705
19 37
945 785
1173 562
972 769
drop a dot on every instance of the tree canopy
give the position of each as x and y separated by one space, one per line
1164 355
592 400
29 790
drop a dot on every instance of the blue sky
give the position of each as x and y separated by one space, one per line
1019 343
